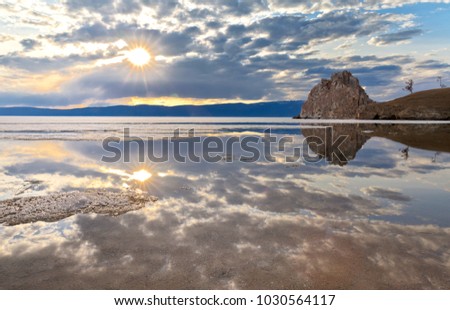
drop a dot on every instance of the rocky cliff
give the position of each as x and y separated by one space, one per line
341 97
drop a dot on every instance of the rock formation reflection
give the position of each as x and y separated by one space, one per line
427 137
336 151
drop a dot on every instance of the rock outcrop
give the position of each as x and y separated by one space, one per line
342 97
339 98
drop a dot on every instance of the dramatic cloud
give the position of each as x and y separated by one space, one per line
243 50
39 100
190 77
396 37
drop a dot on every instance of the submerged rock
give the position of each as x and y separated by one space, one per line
339 98
55 207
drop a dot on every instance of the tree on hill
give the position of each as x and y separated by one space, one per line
441 85
409 85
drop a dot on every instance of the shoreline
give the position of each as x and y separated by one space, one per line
369 121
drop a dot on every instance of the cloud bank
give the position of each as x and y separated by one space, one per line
74 53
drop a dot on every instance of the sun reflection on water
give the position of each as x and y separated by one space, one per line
141 175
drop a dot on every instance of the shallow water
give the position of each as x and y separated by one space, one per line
378 220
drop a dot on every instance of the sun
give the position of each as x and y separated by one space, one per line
139 57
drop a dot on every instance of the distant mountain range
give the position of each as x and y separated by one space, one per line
264 109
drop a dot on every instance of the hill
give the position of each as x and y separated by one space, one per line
431 104
264 109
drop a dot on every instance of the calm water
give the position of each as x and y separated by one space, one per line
379 220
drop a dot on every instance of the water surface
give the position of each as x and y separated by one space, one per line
379 220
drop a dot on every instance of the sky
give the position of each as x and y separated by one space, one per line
76 53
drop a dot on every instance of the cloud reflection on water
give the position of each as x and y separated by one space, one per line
240 225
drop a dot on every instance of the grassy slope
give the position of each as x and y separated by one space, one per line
431 104
434 98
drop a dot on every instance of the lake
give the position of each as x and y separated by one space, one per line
371 212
